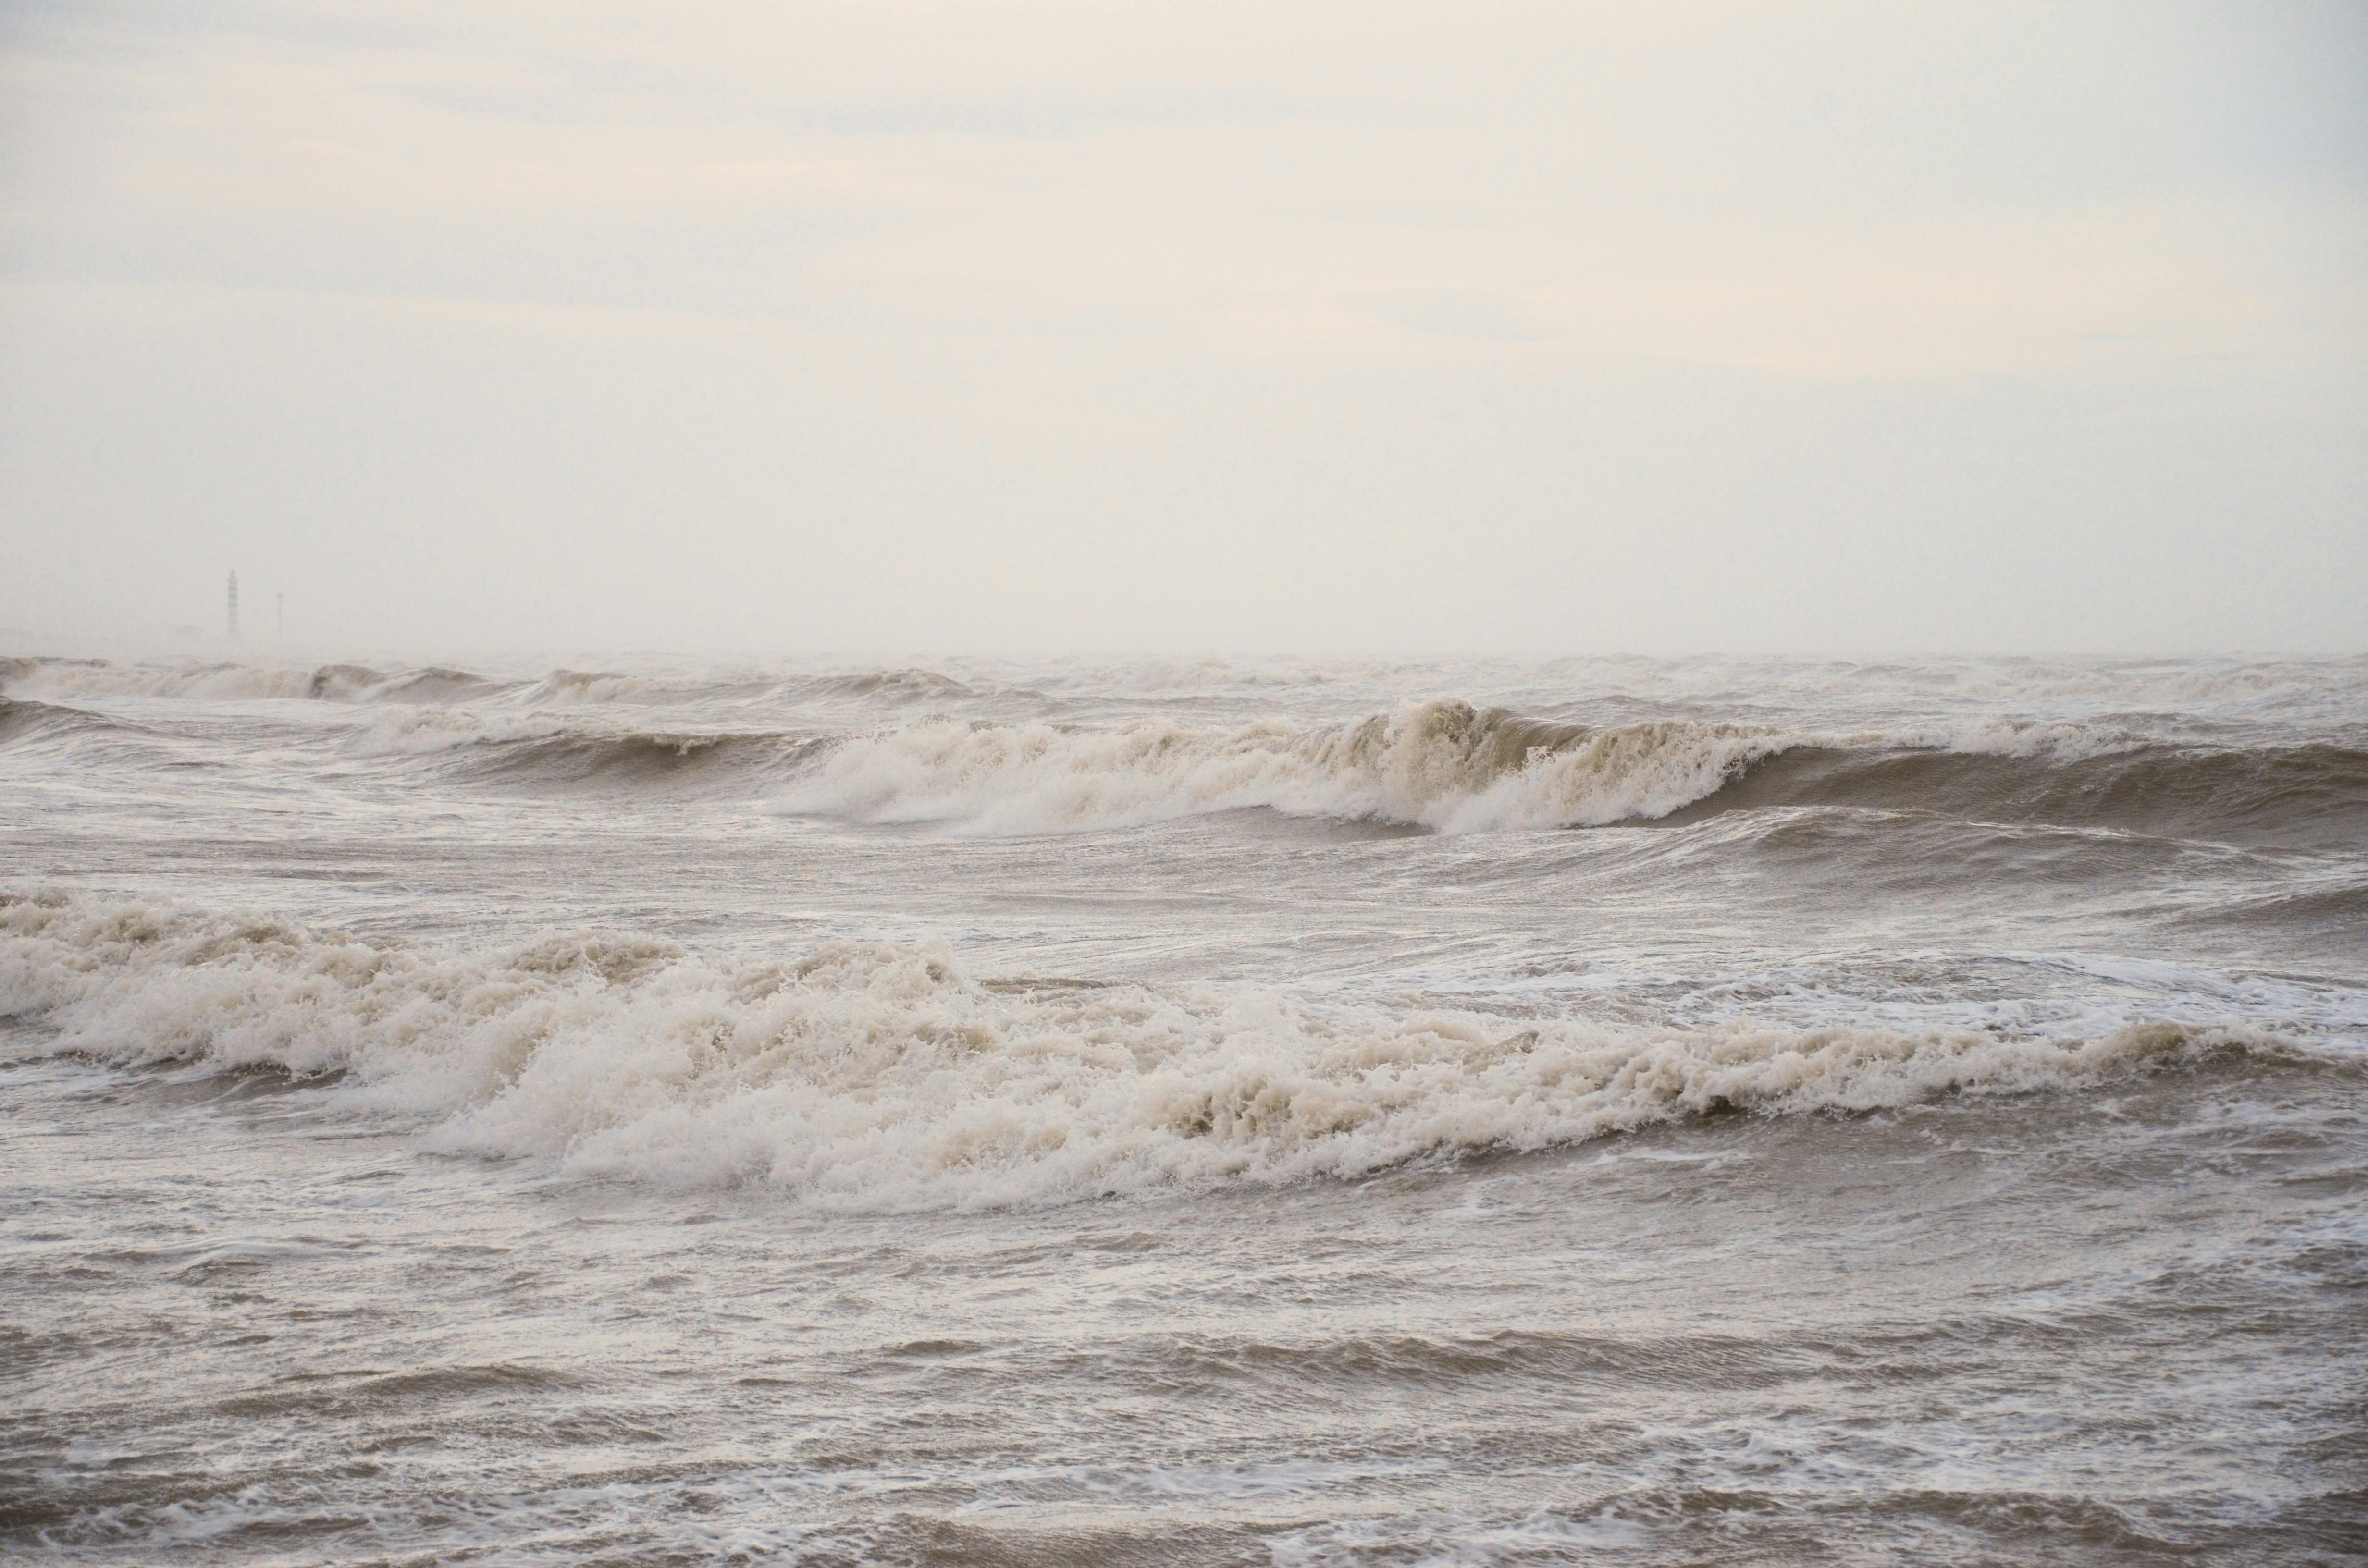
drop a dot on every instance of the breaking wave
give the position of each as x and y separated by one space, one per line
636 761
533 750
24 721
598 685
902 686
1457 769
96 677
884 1076
354 683
1442 765
2311 797
237 682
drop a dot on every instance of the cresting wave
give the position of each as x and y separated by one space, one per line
237 682
1442 765
568 761
533 750
23 721
1457 769
353 683
881 1076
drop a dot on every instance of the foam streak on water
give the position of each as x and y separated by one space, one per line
1268 1112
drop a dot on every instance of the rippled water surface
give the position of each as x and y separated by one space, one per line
1221 1112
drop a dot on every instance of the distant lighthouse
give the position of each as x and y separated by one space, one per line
234 606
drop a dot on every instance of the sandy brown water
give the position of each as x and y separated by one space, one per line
1244 1112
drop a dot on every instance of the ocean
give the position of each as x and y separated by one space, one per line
1260 1111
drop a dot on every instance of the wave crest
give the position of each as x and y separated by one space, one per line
24 721
544 751
882 1075
1453 768
1442 765
233 682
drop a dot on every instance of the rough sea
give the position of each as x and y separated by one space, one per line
1615 1111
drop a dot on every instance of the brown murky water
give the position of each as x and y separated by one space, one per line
1622 1111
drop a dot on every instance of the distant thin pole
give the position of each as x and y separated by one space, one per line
282 599
234 606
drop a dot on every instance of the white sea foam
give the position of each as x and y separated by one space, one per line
882 1075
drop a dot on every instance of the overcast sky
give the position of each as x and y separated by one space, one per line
1188 326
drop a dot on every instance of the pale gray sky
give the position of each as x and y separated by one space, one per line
1325 328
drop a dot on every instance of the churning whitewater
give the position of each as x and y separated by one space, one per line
640 1109
879 1073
